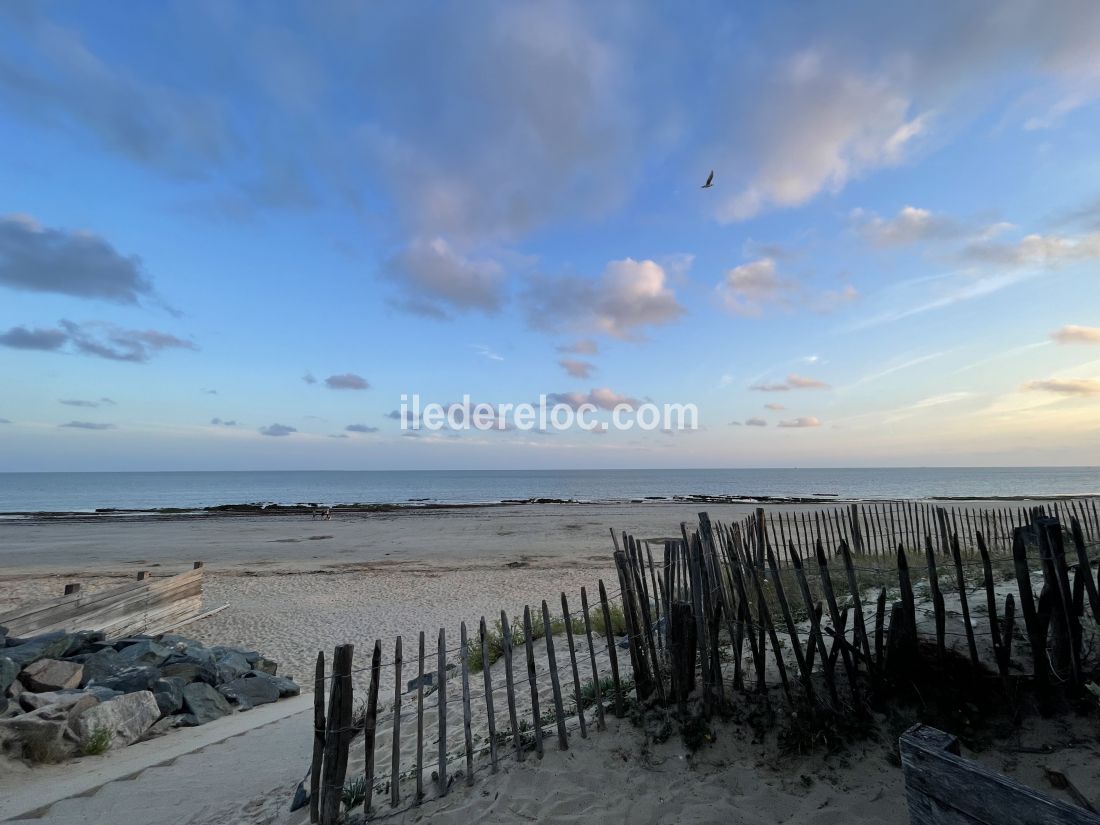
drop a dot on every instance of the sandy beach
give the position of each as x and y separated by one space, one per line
295 585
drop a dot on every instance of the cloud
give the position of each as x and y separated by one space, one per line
361 428
95 338
1073 334
577 369
793 382
745 289
4 421
486 352
78 402
87 425
347 381
814 124
1066 386
800 423
47 340
435 279
339 435
774 407
80 264
277 430
910 226
748 289
1035 250
218 422
585 346
602 398
628 297
755 422
210 392
309 377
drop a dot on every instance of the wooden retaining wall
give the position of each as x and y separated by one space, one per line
819 606
146 605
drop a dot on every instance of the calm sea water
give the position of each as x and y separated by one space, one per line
72 492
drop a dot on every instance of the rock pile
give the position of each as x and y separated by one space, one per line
66 694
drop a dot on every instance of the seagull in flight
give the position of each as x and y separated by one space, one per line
710 181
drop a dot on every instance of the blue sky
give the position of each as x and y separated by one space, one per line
203 204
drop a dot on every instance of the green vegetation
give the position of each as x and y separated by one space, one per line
97 742
495 636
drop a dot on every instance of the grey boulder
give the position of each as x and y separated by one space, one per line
145 653
169 694
250 691
192 672
203 703
131 679
51 674
126 717
8 671
47 646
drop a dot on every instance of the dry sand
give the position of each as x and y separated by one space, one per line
294 586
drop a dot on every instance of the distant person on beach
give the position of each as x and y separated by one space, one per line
328 514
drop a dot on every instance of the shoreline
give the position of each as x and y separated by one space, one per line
275 509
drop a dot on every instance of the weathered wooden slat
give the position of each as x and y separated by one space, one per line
395 756
573 661
337 736
318 739
960 577
555 680
1086 569
420 725
850 665
486 672
792 631
937 597
370 727
609 633
1027 608
532 679
942 788
600 723
510 685
441 698
467 733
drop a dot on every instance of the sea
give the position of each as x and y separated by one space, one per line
86 492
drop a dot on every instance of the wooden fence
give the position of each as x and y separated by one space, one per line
146 605
757 606
942 788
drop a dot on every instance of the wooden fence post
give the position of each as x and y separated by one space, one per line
395 758
370 727
600 722
464 656
509 681
337 736
532 679
486 671
318 739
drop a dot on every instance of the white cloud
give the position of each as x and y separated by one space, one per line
1073 334
1066 386
793 382
577 369
629 296
816 125
911 225
755 422
747 288
802 422
435 278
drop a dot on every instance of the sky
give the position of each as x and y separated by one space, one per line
232 235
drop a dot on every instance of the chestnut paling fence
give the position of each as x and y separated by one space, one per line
815 606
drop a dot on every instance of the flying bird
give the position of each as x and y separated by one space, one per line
710 181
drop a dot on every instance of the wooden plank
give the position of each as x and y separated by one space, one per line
766 620
555 681
573 661
814 615
600 723
486 672
420 725
609 633
859 627
395 748
509 681
942 788
532 679
464 656
370 727
441 699
318 739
